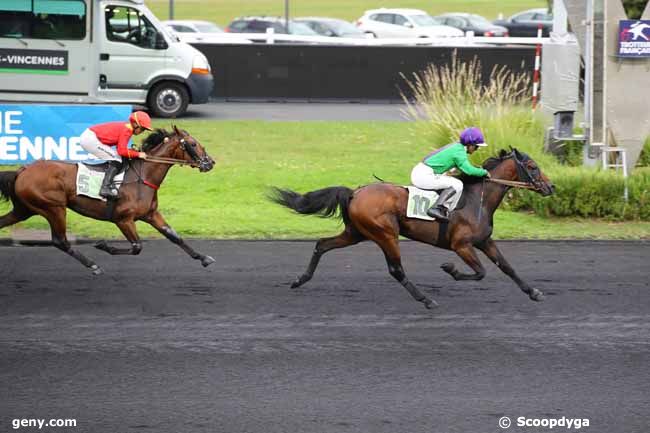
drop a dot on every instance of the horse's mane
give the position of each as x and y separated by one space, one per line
154 139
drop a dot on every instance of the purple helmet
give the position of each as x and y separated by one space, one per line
472 136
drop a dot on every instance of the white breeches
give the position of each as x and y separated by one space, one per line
91 144
423 177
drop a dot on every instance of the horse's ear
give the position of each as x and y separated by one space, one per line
176 130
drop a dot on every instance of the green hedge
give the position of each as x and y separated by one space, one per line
587 192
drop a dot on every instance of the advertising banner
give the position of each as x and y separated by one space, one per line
32 132
33 61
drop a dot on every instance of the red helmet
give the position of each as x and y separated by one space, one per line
140 118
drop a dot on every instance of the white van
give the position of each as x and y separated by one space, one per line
97 51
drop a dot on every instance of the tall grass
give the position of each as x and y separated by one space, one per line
448 98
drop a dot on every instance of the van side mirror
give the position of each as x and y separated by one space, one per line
408 24
161 43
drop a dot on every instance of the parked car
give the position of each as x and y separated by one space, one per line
260 24
404 23
526 23
332 27
472 23
193 26
194 31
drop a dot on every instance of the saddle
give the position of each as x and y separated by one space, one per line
90 177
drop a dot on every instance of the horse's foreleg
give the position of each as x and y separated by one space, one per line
56 217
347 238
128 229
490 249
390 247
159 223
468 254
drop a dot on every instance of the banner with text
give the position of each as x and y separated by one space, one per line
634 38
32 132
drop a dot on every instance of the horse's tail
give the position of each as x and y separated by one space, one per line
7 182
324 202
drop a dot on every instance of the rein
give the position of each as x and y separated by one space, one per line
513 183
169 161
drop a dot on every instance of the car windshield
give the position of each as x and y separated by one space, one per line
301 29
425 20
343 27
208 28
478 20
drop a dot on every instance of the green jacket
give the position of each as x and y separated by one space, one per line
450 156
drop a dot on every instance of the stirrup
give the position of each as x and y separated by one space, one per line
439 213
109 192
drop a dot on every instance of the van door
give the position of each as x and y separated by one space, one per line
44 49
132 52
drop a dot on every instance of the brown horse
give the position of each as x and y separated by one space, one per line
377 212
47 188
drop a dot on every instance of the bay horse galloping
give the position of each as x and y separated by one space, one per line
47 188
377 212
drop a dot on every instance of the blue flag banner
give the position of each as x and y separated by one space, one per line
634 38
32 132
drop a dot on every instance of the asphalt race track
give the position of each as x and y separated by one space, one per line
159 344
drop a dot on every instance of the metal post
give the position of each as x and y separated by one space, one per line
171 9
605 60
286 14
589 70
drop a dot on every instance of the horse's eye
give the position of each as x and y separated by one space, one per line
193 144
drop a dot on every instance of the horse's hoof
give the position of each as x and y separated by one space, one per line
448 267
430 303
207 261
536 295
101 245
296 283
97 270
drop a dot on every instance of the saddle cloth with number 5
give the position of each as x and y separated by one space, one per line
90 177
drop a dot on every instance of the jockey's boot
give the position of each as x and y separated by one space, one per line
439 210
108 190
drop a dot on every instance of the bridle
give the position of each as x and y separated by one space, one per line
529 181
190 150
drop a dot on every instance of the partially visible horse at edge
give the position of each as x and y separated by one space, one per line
377 212
47 188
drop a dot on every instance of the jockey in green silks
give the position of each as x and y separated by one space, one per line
431 172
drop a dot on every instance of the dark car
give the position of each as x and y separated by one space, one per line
332 27
474 23
526 23
260 24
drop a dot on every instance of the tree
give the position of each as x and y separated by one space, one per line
634 8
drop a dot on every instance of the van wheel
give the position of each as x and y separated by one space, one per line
168 99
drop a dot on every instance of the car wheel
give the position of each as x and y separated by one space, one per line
168 99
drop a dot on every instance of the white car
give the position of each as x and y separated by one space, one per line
404 23
196 31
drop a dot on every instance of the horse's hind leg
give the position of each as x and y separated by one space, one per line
345 239
18 213
390 247
468 254
490 249
56 217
